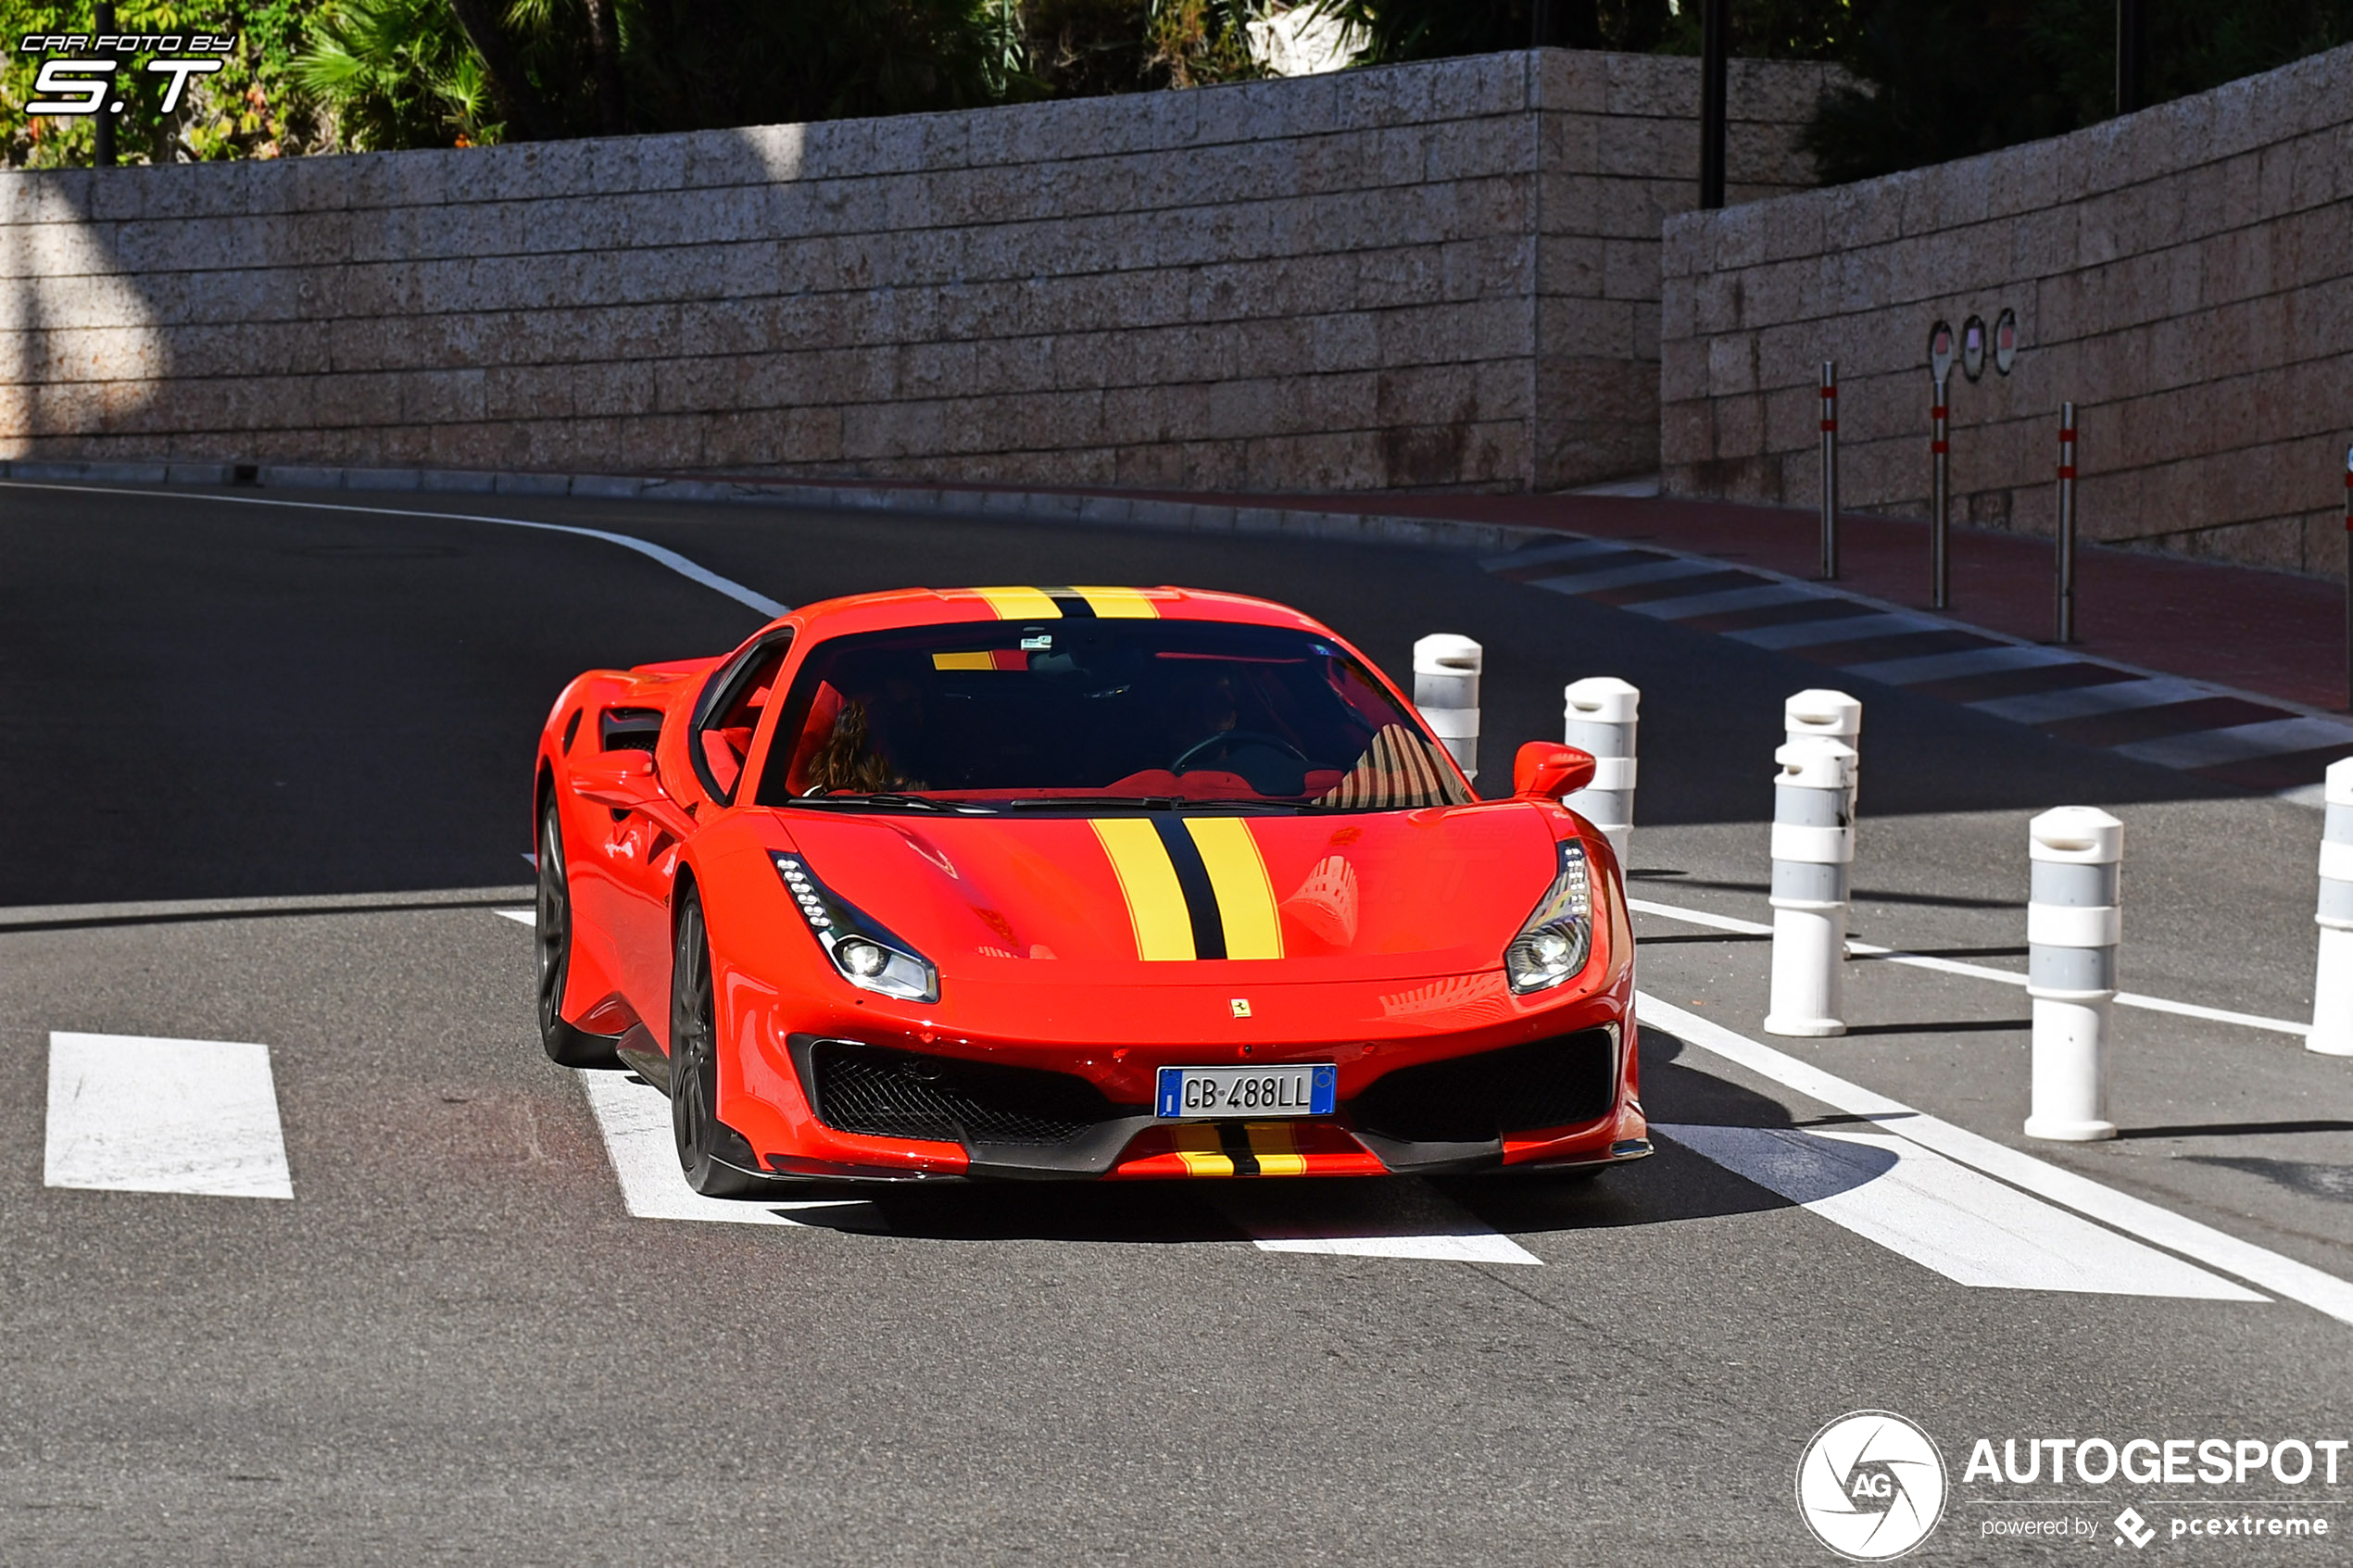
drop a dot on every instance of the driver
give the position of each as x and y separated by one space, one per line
858 739
1202 708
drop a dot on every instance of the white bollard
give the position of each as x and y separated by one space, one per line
2333 991
1600 715
1834 716
1446 689
1813 862
2074 923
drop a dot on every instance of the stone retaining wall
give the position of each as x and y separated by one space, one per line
2184 275
1432 275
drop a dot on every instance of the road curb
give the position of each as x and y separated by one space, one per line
1048 506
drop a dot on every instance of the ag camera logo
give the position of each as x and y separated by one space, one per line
1870 1485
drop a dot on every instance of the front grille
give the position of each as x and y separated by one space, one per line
904 1095
1477 1098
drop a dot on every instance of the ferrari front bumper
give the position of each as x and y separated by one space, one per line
1556 1100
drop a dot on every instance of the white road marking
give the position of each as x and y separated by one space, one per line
1945 1217
2159 1226
1839 629
1626 576
1951 666
2085 702
1722 602
520 917
2210 748
1390 1219
666 557
129 1113
1574 551
1871 950
634 1119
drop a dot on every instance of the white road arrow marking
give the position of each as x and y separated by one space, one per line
2161 1226
128 1113
1942 1216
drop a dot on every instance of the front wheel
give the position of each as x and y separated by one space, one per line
566 1045
694 1065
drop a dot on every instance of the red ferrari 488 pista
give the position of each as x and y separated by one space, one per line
1105 882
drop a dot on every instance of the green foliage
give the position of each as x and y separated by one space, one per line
1200 43
1422 29
400 73
693 64
253 108
1775 29
1946 78
1082 48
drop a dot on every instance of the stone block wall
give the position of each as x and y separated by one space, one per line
2184 275
1433 275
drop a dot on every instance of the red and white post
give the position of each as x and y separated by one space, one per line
1830 469
1939 501
2065 618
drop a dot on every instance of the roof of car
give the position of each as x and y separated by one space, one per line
940 607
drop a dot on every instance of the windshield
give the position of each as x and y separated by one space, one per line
998 714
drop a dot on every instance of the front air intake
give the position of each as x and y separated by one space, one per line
894 1094
1477 1098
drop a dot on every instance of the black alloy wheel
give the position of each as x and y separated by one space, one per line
551 940
694 1064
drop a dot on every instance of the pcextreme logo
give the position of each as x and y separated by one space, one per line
1870 1485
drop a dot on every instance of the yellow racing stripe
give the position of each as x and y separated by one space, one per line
1020 604
1245 897
1277 1151
1118 604
1155 903
1199 1146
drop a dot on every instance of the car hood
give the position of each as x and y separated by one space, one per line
1070 899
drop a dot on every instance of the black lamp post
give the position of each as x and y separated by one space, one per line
1715 48
2132 36
102 124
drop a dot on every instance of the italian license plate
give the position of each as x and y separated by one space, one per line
1305 1089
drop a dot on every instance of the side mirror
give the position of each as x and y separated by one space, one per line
622 779
1545 770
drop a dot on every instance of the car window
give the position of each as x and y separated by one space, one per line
729 714
1000 713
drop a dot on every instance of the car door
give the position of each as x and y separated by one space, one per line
697 771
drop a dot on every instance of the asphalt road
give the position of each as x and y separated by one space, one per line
456 1343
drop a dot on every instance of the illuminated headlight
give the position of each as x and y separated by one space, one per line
1553 945
868 955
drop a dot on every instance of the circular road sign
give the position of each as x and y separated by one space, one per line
2005 340
1940 352
1973 347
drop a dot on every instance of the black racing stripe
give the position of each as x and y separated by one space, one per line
1192 877
1072 605
1235 1137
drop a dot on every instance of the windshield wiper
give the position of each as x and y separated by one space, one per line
886 797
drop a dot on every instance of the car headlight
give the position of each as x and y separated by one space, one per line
868 955
1558 937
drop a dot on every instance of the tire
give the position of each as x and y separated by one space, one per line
551 930
693 1066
